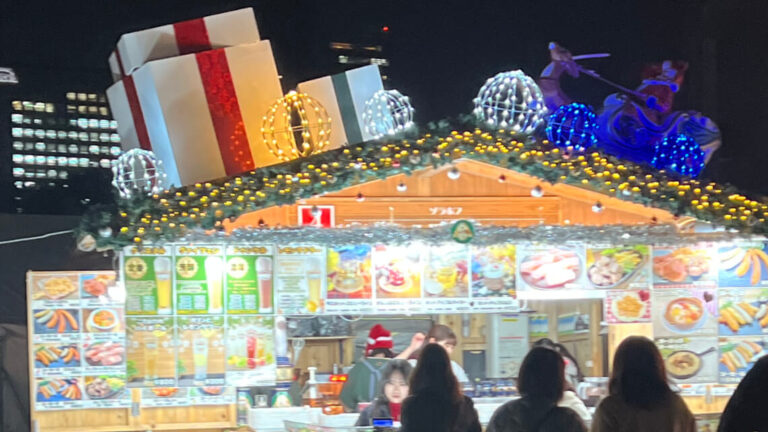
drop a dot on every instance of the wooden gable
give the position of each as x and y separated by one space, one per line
480 194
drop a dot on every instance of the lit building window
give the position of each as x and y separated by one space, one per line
84 149
29 133
63 175
93 110
39 160
82 109
71 109
28 106
84 162
115 151
50 160
39 133
40 146
105 163
83 136
71 96
93 124
94 136
113 124
72 161
28 146
17 118
49 108
18 172
104 137
18 158
103 111
39 107
72 135
82 123
61 148
17 132
18 145
61 161
94 149
61 135
103 124
50 134
115 138
16 105
82 97
29 159
72 148
52 173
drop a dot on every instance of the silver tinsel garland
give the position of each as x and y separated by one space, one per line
392 234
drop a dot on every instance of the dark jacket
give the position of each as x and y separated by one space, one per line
748 408
434 413
526 415
379 408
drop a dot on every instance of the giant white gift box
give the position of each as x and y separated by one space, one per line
201 114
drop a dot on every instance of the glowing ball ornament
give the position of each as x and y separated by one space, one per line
296 126
679 153
572 127
511 100
138 172
387 112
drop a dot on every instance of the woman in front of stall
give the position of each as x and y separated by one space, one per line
639 397
541 383
435 402
394 389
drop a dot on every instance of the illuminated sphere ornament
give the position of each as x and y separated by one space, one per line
572 127
680 154
296 126
138 172
387 113
511 100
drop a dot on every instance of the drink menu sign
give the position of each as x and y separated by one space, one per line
446 279
199 279
350 287
148 280
249 279
77 340
300 279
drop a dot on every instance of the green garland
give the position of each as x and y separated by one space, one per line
203 206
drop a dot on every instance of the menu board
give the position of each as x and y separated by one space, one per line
743 264
212 395
445 283
151 351
622 307
738 355
397 278
512 344
300 279
249 279
200 350
690 359
547 268
350 287
199 280
493 277
743 311
619 268
250 351
685 267
77 335
689 312
148 280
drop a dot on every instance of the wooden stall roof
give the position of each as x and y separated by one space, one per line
485 193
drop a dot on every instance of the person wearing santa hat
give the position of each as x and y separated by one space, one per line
364 377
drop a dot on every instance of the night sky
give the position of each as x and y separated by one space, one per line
442 51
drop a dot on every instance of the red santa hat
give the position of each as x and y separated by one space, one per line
378 337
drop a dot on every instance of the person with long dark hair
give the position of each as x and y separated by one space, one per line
639 395
435 402
541 383
394 389
748 408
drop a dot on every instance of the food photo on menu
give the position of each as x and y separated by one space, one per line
446 272
744 264
690 360
103 320
349 272
618 268
52 356
103 387
104 353
59 287
738 355
96 286
628 306
397 271
56 321
684 312
493 271
58 390
743 311
551 268
685 265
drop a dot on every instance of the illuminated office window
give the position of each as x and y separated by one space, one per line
39 160
104 137
17 118
62 135
61 148
105 163
113 124
93 110
50 134
72 135
94 136
61 161
73 148
39 107
18 172
83 136
94 149
39 133
71 96
16 105
115 151
93 124
82 97
82 109
18 158
29 159
17 132
83 162
72 161
104 111
63 175
115 138
103 124
71 109
82 123
40 146
50 160
29 133
49 108
18 145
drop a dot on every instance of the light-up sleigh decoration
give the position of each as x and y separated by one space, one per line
633 124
